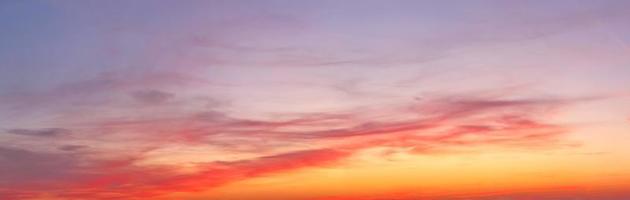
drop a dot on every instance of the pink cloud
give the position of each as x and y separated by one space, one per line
448 124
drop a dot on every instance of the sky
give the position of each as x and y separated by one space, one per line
314 100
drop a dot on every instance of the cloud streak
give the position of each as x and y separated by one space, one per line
448 125
47 132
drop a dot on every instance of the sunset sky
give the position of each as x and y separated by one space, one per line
314 100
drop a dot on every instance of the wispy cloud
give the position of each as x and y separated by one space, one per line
437 127
152 96
46 132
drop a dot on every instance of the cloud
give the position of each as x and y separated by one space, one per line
47 132
72 147
104 179
435 125
152 97
218 173
438 120
126 56
21 166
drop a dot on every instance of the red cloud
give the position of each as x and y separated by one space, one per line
439 126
